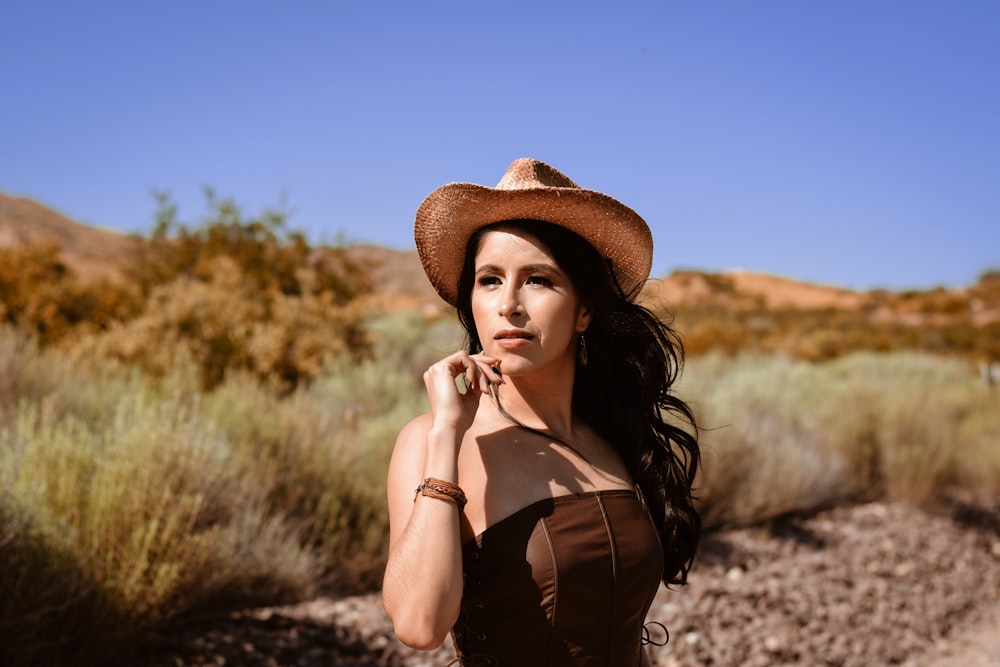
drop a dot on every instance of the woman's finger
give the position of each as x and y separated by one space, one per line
490 366
488 371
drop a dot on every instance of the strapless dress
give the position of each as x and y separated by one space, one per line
563 582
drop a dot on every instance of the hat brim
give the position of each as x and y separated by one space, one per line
450 215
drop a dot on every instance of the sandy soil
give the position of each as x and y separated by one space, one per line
870 585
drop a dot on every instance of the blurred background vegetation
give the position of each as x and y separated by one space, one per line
208 426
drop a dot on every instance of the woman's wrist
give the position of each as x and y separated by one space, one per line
443 439
442 490
441 456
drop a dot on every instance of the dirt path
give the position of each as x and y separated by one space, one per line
863 586
974 645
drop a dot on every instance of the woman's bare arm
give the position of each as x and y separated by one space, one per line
422 589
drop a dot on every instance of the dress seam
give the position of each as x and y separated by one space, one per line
613 544
543 521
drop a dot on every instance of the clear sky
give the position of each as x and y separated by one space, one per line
845 142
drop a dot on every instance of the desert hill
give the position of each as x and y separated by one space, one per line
88 251
754 301
745 289
398 279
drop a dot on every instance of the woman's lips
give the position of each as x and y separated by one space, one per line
511 341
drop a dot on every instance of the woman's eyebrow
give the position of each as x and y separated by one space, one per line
527 268
541 268
488 268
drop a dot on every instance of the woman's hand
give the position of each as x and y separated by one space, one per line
452 407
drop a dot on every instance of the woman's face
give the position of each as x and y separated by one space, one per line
526 310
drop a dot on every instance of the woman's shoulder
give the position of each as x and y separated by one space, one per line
415 430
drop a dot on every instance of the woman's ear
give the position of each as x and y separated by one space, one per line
583 318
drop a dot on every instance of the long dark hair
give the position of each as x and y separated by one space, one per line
624 392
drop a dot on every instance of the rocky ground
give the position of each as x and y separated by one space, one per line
869 585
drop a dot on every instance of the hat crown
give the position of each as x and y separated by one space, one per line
530 174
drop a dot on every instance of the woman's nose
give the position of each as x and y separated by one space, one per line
510 305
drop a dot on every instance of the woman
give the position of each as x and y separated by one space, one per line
553 472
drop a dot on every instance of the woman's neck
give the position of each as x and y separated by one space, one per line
541 401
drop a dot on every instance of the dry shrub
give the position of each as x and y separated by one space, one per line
311 459
123 503
327 447
40 294
224 326
269 256
148 517
18 352
240 295
716 332
988 342
52 612
232 294
764 451
790 436
935 421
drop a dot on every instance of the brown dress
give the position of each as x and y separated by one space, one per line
565 582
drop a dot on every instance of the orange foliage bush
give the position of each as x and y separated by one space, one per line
224 323
268 256
231 295
38 293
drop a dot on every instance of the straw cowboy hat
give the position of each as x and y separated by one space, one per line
531 190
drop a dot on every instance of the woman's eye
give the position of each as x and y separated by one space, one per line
487 280
539 280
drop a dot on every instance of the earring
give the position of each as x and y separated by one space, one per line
581 352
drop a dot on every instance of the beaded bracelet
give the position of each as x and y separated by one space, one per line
442 490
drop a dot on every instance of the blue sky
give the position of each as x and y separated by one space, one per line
848 142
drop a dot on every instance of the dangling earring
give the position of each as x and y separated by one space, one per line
581 351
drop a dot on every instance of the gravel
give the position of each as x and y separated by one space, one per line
868 585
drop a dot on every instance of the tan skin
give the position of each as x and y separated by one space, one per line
529 319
